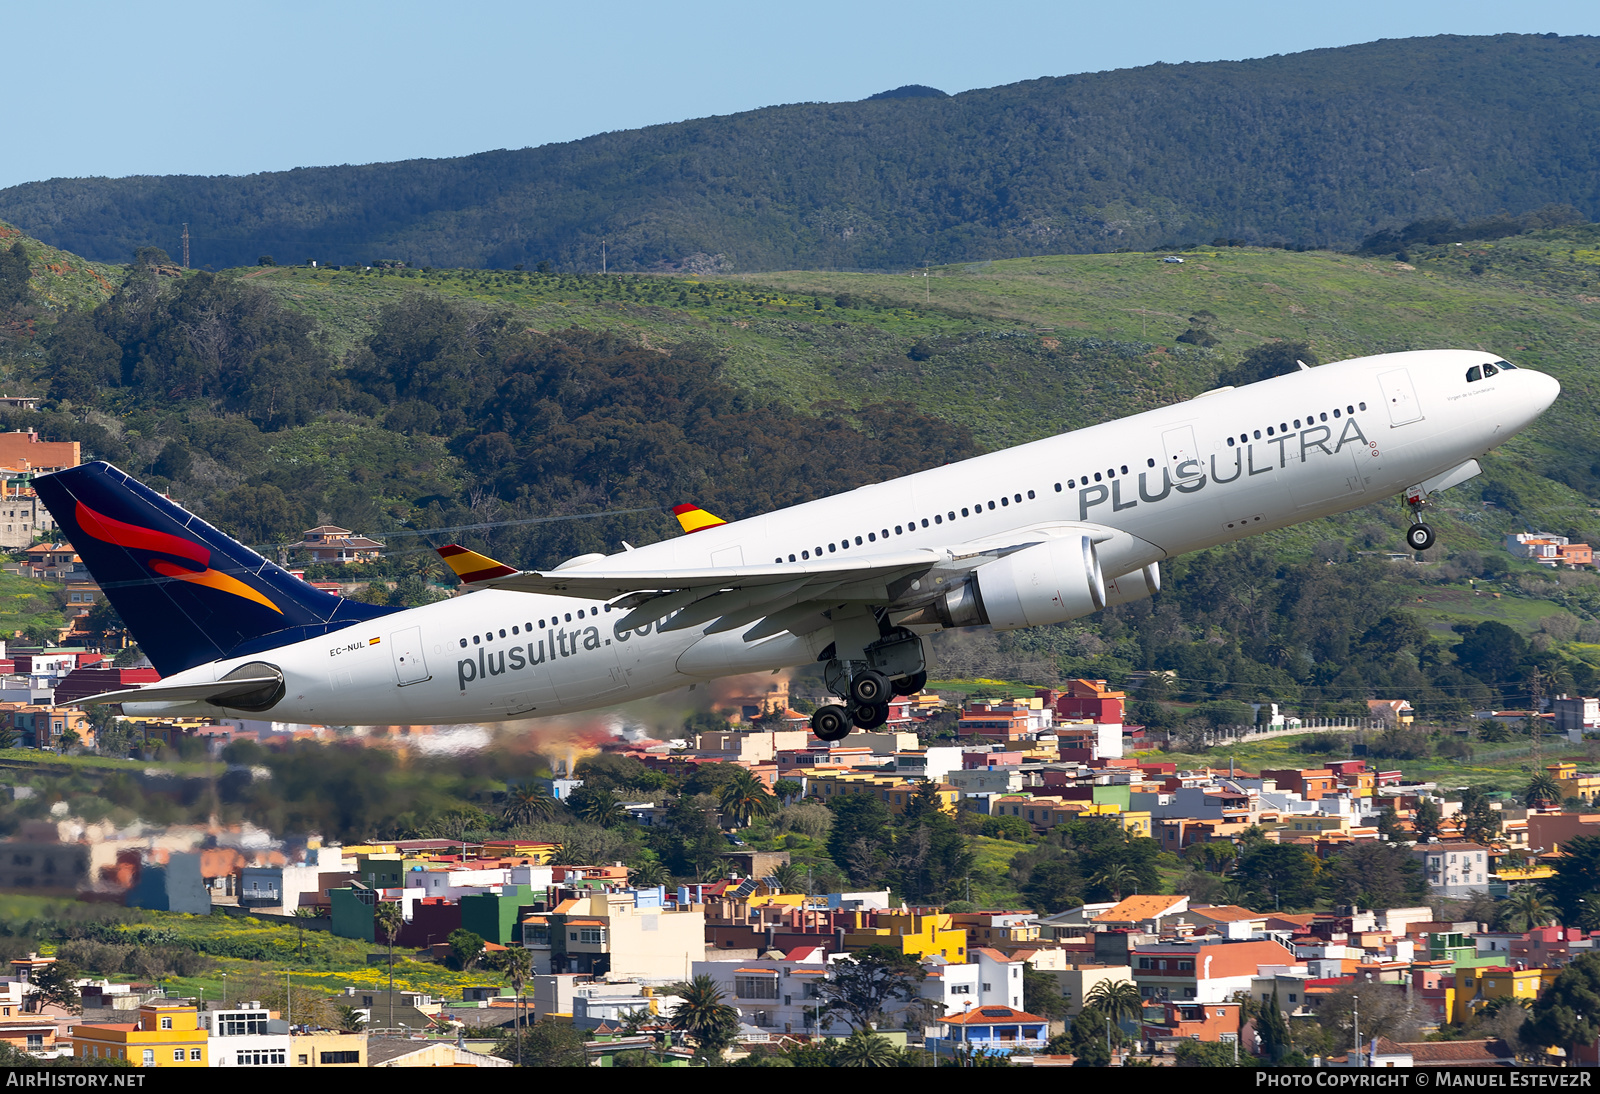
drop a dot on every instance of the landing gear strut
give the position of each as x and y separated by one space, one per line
1419 537
893 665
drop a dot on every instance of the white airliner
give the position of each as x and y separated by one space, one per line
1041 533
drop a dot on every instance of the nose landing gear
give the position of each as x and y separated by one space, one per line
1419 537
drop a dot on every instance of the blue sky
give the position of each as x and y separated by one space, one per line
232 88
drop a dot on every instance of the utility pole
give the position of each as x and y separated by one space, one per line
1534 728
186 246
602 258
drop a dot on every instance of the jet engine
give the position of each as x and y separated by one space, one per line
1050 582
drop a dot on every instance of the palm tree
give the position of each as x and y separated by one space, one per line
745 798
1117 877
389 916
1528 906
1117 999
648 875
863 1048
529 803
712 1024
1541 788
790 878
350 1019
516 965
602 808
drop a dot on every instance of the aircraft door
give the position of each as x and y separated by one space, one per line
1179 445
409 665
728 556
1401 396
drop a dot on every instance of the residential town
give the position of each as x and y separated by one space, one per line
998 875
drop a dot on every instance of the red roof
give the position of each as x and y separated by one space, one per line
984 1016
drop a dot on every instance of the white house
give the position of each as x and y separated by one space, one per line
245 1036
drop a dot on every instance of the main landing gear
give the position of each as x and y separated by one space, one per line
1419 537
893 665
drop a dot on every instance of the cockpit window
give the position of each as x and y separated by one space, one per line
1504 365
1490 370
1474 373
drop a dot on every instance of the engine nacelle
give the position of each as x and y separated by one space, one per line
1050 582
1139 585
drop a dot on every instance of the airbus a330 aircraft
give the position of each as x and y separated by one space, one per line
1037 534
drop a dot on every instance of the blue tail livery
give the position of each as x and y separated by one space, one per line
188 593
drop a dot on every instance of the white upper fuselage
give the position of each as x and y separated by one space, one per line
1216 468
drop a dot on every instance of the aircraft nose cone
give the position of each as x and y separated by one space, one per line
1545 388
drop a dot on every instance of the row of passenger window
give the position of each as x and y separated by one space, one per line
489 636
1283 427
1243 438
908 527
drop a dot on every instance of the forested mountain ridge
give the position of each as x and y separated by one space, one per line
1317 148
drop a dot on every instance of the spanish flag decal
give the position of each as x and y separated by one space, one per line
470 566
695 519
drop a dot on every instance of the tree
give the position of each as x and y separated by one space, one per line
1266 361
1576 878
545 1044
597 807
1086 1037
1375 875
1274 1030
14 275
350 1020
1204 1054
1529 907
389 918
1041 994
1278 876
745 798
788 790
712 1024
790 878
529 803
1427 819
1480 823
516 965
859 837
1385 1011
466 948
53 985
301 915
1542 789
1119 1000
1568 1013
866 982
864 1048
1117 877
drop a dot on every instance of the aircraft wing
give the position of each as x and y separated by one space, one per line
602 583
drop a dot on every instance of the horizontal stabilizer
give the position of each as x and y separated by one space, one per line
470 566
215 692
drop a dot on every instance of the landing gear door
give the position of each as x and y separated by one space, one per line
1401 397
406 647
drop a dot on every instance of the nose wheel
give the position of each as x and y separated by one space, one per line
1419 537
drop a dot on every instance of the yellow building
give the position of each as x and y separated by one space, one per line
166 1035
1573 784
1135 822
913 934
1317 825
328 1048
1475 987
894 791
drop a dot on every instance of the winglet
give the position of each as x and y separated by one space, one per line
695 519
470 566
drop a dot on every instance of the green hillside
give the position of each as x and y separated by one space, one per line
1317 148
391 400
